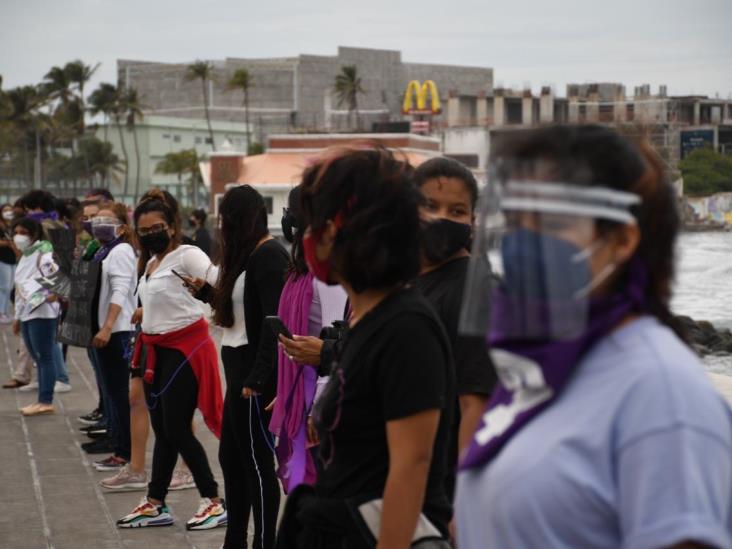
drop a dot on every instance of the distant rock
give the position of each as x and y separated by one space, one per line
706 338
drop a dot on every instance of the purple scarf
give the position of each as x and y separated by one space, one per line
102 253
295 390
536 383
44 216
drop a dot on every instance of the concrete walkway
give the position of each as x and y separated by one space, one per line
50 492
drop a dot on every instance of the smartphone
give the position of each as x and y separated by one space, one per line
176 273
277 326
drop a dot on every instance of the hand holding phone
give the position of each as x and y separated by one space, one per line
277 326
184 279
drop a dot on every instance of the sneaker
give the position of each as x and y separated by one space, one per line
146 514
32 386
182 480
112 463
125 481
61 387
92 418
38 409
210 514
98 446
14 384
96 431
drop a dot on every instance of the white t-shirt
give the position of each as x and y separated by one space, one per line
167 304
236 335
118 286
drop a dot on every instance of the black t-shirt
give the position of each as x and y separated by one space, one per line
394 363
202 239
474 371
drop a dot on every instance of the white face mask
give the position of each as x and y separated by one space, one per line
22 241
8 215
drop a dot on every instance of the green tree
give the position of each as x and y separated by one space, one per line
242 80
182 163
706 171
79 74
347 88
132 107
100 158
25 121
203 71
109 100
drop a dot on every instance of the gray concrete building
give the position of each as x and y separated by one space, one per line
295 94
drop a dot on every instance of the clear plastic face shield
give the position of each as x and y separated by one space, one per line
534 266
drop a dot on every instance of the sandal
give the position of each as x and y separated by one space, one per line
13 384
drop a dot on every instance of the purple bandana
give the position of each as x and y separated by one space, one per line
102 253
44 216
531 385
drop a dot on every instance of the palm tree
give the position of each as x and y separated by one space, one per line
57 86
78 73
133 113
25 119
103 100
180 163
203 71
100 158
348 88
242 80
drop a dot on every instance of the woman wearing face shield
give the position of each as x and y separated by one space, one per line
111 322
604 430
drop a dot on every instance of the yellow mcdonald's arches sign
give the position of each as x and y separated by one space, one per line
420 91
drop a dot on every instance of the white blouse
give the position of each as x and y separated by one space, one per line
167 305
31 267
236 335
118 286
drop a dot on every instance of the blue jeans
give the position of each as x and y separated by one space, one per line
39 335
6 286
94 361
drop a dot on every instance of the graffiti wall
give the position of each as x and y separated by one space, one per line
716 208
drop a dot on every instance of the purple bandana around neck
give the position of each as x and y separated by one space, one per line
44 216
539 370
295 390
102 253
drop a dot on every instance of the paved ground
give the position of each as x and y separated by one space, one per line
50 496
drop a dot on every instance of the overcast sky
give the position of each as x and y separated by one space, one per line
686 44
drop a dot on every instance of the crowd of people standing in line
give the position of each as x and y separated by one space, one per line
399 389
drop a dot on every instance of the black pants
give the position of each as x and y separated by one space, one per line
172 399
247 458
115 379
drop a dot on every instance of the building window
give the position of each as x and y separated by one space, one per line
629 112
199 140
606 113
268 202
208 141
166 136
176 139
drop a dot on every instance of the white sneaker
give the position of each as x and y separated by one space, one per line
61 387
182 480
32 386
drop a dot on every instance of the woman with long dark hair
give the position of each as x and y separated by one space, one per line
180 370
306 306
604 430
251 276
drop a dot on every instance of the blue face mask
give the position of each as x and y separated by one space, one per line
541 267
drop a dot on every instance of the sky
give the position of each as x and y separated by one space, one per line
684 44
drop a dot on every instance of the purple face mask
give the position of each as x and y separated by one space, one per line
104 233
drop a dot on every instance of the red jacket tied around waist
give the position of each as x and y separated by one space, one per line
197 346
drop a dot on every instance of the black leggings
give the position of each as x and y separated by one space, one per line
247 459
171 414
114 376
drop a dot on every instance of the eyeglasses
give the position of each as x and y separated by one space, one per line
158 227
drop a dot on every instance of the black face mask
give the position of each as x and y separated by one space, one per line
443 238
192 223
157 242
289 225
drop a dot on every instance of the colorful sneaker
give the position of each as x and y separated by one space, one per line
146 514
112 463
32 386
91 418
125 481
210 514
182 480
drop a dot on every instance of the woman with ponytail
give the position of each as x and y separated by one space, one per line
603 430
180 364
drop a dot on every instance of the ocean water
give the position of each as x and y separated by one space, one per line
703 288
